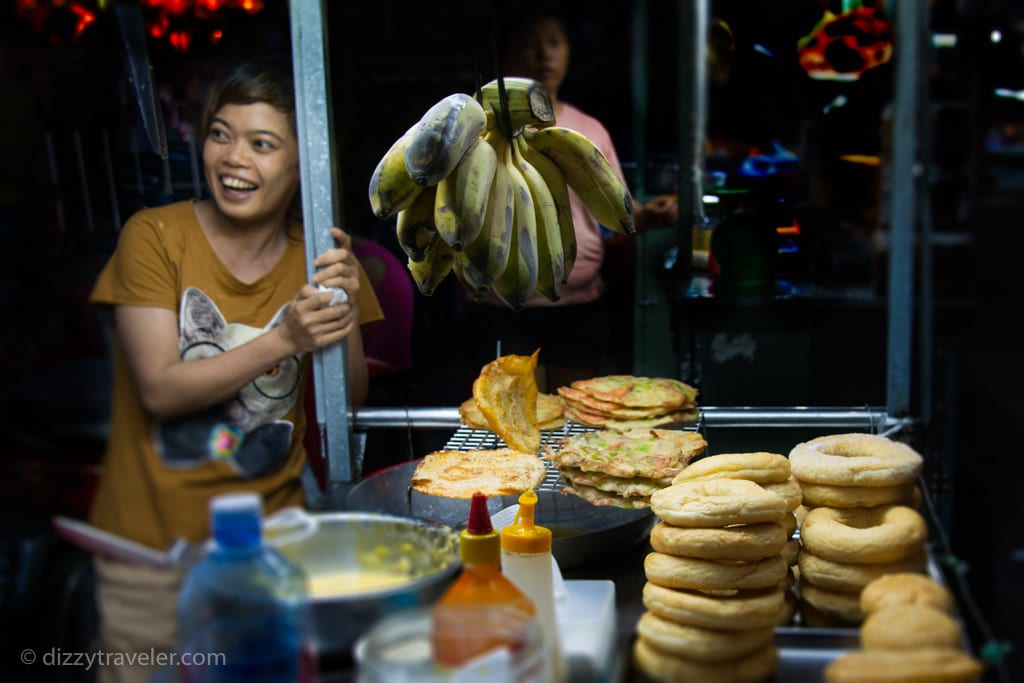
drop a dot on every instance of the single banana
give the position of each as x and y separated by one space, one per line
446 218
529 104
590 175
550 255
555 180
442 136
434 268
517 283
462 196
485 258
392 189
415 226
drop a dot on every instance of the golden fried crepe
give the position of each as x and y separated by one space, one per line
650 453
495 472
506 394
550 413
639 392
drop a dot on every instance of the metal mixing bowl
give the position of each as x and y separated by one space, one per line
423 554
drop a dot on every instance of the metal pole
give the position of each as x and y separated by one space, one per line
319 209
905 172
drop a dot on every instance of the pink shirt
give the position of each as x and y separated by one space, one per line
585 282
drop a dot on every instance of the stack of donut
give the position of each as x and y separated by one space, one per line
717 578
909 635
772 471
859 521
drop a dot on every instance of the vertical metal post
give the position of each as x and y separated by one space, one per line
905 173
692 16
319 209
638 73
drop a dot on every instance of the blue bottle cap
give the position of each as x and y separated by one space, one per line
235 519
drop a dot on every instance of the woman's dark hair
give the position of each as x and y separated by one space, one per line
267 79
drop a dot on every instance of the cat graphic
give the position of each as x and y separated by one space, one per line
245 430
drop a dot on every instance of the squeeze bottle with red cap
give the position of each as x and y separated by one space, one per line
482 610
526 560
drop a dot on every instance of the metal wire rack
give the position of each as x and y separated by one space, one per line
469 439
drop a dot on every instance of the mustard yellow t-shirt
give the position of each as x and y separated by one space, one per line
158 476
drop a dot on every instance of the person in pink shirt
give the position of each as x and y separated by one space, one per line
573 333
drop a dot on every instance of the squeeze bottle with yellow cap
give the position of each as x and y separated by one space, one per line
526 560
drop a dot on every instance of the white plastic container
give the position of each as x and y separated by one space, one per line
526 560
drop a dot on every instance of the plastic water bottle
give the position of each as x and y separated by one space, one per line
243 610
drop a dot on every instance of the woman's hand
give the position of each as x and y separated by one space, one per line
311 321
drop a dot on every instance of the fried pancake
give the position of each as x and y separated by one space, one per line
506 393
651 453
584 417
550 413
581 400
632 487
598 497
639 392
495 472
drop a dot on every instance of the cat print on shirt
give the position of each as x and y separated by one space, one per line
245 430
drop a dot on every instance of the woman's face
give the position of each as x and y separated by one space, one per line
542 53
251 162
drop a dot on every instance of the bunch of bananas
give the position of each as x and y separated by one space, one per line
481 189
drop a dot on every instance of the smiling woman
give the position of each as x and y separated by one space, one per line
215 318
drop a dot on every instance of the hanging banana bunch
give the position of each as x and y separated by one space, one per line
482 190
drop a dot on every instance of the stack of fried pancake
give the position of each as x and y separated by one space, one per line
716 581
623 468
625 402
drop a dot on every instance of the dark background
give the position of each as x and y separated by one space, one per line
61 205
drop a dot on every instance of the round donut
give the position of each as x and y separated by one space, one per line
801 512
760 467
855 460
925 665
743 542
887 533
844 607
905 588
688 572
741 611
908 627
662 667
790 490
845 577
697 643
827 495
717 503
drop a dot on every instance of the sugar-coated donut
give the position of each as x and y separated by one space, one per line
907 627
846 577
662 667
887 533
924 665
744 542
844 607
855 460
760 467
790 490
717 502
741 611
692 573
700 644
905 588
827 495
